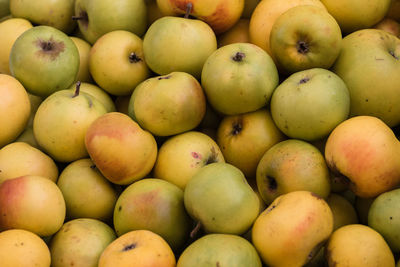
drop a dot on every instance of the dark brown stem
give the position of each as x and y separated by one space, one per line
78 17
189 7
195 230
77 89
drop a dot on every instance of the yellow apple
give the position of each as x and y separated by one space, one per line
84 50
238 33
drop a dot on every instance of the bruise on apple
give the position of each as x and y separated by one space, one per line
49 48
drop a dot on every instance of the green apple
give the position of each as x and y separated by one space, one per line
369 64
28 137
80 242
353 15
305 37
44 60
61 122
239 78
188 152
54 13
245 138
168 105
87 193
220 199
116 62
97 17
98 93
173 44
219 14
309 104
32 203
292 165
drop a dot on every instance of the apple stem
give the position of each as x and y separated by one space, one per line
77 89
189 7
195 230
77 17
239 56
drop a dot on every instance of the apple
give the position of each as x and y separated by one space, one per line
305 37
87 193
10 30
28 137
153 12
389 25
116 62
32 203
120 148
15 109
219 14
188 152
44 60
61 122
19 159
169 104
83 49
309 104
174 44
245 138
394 10
353 15
54 13
343 211
249 6
239 78
4 8
97 17
369 65
238 33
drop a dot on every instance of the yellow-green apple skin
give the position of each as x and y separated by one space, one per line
96 18
84 51
23 248
383 217
219 14
265 15
120 148
10 30
44 60
292 229
28 137
169 104
305 37
239 78
32 203
98 93
175 44
220 198
35 103
142 247
353 15
15 109
155 205
389 25
80 242
394 10
153 11
249 6
366 151
309 104
117 63
19 159
358 245
221 249
54 13
238 33
87 193
343 211
243 139
292 165
4 8
187 152
61 122
369 65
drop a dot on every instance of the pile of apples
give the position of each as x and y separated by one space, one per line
198 133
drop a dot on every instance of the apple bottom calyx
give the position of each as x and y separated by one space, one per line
302 47
238 57
133 58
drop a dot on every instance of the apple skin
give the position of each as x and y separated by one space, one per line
174 44
54 13
305 37
188 152
219 14
394 10
245 138
168 105
355 15
11 29
238 33
369 65
239 78
98 17
116 62
120 148
389 25
4 8
309 104
44 60
83 49
32 203
343 211
15 109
